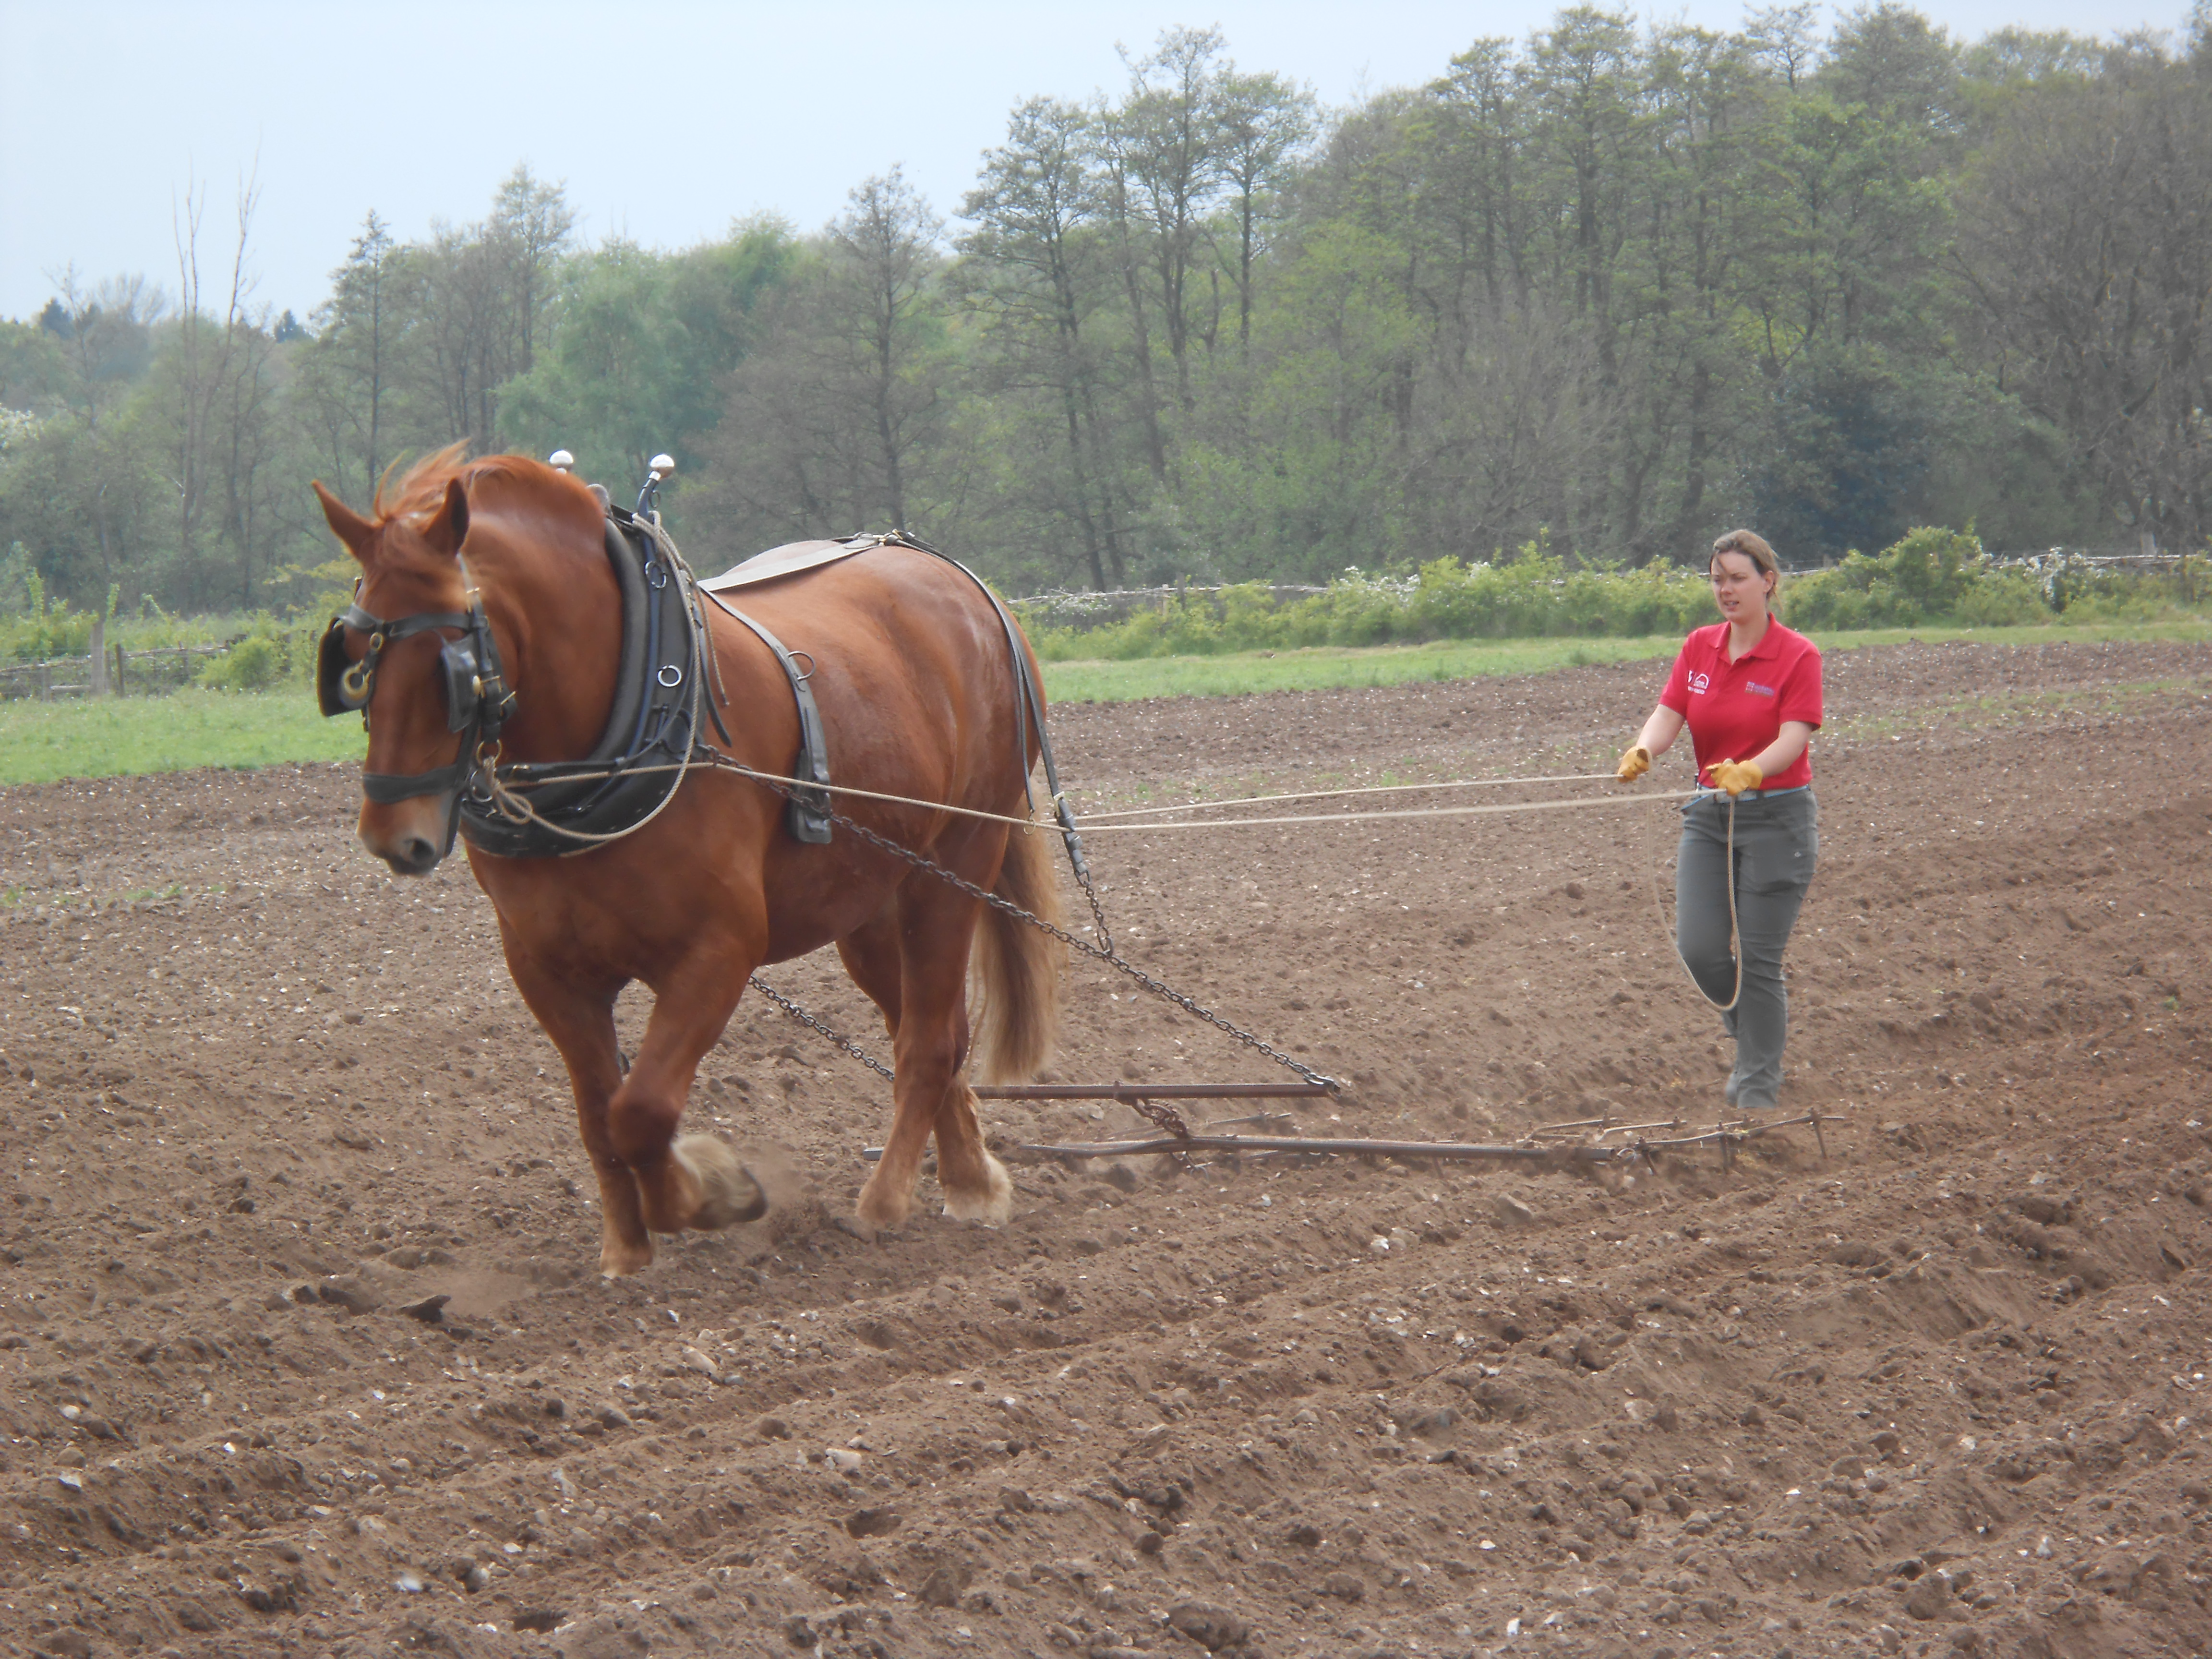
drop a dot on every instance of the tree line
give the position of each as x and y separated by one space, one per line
1604 291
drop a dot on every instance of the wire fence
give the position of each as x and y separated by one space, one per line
1087 609
114 671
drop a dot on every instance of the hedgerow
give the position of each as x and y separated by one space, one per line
1932 576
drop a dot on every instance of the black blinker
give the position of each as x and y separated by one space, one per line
342 687
464 685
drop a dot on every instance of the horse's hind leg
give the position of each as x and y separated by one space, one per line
935 926
976 1185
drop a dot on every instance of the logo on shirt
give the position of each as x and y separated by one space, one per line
1757 690
1698 682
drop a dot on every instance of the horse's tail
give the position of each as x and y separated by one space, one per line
1017 967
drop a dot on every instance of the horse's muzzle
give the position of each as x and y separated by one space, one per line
410 836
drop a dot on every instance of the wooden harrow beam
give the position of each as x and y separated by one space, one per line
1585 1142
1551 1149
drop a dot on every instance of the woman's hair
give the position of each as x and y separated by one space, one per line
1753 546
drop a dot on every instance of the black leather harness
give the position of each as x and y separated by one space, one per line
652 732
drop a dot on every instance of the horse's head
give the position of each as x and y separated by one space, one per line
408 653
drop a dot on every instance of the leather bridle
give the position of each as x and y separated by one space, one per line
478 701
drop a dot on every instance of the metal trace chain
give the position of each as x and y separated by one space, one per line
1104 953
814 1025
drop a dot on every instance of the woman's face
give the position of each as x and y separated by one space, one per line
1738 587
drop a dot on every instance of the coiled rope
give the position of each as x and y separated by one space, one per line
1735 931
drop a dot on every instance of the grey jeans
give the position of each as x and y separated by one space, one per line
1777 843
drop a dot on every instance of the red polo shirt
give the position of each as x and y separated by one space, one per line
1735 709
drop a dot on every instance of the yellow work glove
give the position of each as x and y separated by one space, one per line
1736 776
1634 764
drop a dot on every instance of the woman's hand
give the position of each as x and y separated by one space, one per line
1634 764
1736 776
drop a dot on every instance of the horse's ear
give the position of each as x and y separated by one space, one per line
449 525
348 526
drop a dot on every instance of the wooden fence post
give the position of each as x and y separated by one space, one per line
46 682
96 664
121 691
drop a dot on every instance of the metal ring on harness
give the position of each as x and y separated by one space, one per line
669 674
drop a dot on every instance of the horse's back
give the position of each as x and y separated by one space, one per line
911 664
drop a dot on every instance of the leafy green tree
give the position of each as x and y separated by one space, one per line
2086 243
835 423
366 336
1263 124
602 390
1037 273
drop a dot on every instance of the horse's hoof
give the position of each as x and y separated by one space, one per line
622 1263
882 1209
728 1195
992 1203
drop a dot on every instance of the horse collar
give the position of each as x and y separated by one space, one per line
652 720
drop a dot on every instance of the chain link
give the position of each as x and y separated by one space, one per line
1081 867
1104 953
1163 1117
814 1025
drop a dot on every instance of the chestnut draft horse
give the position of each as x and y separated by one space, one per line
921 697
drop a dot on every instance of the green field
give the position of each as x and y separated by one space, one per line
41 742
113 736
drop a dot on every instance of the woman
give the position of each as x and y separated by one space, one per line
1745 686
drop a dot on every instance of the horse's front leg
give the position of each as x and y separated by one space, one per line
697 1182
581 1024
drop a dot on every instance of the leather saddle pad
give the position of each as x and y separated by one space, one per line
788 561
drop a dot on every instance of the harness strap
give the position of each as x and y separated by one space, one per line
810 808
1032 710
385 787
400 628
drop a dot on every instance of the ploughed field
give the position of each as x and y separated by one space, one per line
302 1350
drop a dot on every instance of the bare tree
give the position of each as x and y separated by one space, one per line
218 439
825 426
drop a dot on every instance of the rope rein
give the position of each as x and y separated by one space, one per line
1331 794
513 804
1735 931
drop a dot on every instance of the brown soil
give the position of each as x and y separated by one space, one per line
1936 1393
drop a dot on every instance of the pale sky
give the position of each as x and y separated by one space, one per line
665 121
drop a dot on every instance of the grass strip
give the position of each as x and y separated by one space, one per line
117 737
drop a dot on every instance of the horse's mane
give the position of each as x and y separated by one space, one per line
422 486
